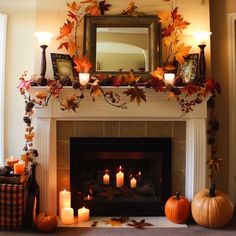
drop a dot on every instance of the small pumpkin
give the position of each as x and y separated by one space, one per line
46 222
212 208
177 209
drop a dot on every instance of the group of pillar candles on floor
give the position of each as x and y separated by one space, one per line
66 213
120 178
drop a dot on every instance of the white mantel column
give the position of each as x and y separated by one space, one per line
196 151
46 171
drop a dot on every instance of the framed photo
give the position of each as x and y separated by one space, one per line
63 66
188 70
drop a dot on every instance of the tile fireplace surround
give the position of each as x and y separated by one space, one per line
157 108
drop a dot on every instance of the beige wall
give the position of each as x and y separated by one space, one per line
19 57
23 53
219 10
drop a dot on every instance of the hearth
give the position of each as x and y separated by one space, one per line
120 176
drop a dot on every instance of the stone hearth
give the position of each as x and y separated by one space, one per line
54 126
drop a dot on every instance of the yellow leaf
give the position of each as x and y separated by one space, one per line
29 137
165 17
158 73
181 52
41 95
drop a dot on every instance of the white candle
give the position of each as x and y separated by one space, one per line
133 183
84 78
83 214
67 216
106 179
11 161
119 179
64 200
19 168
169 78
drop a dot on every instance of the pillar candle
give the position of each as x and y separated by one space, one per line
106 179
64 199
67 216
169 78
11 161
84 78
83 214
119 179
19 168
133 183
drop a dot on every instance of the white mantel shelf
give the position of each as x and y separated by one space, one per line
157 108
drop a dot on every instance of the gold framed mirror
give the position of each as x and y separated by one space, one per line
116 43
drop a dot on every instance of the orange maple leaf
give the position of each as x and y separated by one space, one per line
93 10
72 48
158 73
74 6
66 29
164 18
29 137
129 78
181 52
82 65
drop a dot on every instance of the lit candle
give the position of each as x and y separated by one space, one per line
64 200
83 214
106 179
19 168
169 78
11 161
67 216
88 198
84 78
119 178
133 183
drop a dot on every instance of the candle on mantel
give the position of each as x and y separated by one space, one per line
83 214
88 198
11 161
67 216
84 78
169 78
119 178
64 200
19 168
133 183
106 178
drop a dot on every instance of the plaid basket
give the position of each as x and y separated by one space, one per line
12 205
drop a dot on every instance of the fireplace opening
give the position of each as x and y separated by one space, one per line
120 176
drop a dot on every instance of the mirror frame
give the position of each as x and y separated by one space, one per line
154 40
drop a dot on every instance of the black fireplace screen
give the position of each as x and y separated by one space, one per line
120 176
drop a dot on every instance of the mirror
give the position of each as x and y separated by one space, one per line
115 43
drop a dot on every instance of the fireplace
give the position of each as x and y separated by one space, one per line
147 161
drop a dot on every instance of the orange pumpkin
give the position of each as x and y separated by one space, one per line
212 209
177 209
46 222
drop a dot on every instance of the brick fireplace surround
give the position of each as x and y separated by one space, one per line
158 117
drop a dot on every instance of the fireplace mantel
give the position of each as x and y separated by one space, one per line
157 108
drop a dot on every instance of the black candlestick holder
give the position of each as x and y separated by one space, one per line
202 65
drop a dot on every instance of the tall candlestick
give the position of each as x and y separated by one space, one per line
133 183
106 179
83 214
119 179
64 200
67 216
19 168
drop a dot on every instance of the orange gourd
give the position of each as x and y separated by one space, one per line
177 209
46 222
212 208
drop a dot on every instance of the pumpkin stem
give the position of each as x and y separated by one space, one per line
212 192
177 195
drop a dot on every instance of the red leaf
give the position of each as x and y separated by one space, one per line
212 86
158 84
64 44
66 29
191 88
82 65
72 15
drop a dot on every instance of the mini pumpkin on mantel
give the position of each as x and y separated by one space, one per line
177 209
212 208
46 222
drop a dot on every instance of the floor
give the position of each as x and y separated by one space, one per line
192 230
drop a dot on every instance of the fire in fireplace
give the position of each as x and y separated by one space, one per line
120 176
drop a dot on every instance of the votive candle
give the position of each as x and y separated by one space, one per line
133 183
19 168
67 216
11 161
83 214
169 78
106 179
84 78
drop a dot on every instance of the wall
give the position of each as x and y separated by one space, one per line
19 57
219 10
23 52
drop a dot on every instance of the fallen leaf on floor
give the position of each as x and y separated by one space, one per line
139 224
94 224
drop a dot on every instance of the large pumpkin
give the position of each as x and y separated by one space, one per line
46 222
177 209
212 208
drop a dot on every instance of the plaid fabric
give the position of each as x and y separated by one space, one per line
12 205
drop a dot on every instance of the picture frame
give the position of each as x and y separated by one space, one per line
189 69
63 66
